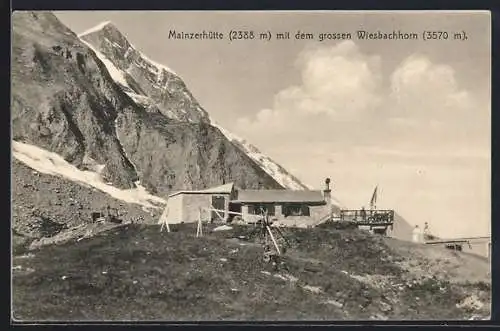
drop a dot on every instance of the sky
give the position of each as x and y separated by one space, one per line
411 116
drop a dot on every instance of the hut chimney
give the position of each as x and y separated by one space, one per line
327 195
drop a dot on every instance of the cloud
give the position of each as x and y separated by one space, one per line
338 84
423 90
343 98
335 80
425 102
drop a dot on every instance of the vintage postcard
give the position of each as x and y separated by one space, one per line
251 165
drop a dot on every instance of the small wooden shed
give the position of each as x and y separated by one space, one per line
185 206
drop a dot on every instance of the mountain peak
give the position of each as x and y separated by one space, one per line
157 87
107 33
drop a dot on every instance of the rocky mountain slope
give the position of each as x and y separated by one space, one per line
49 208
160 90
67 100
63 98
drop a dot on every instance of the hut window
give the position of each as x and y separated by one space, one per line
258 208
296 210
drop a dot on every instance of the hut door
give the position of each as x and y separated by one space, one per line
219 203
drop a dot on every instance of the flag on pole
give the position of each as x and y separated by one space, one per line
373 201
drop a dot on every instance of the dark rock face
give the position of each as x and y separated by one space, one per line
65 100
193 155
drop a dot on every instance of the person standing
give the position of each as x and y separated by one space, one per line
427 234
363 214
417 234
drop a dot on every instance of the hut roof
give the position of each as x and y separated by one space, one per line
222 189
285 196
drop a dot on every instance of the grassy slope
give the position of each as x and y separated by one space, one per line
135 272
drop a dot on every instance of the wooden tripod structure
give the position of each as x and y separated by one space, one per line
165 224
265 231
270 235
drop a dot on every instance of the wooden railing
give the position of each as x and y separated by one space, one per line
368 217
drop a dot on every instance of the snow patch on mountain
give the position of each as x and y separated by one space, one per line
117 74
113 43
140 99
51 163
98 27
157 65
266 163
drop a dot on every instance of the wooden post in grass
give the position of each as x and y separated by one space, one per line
199 229
274 240
165 223
198 225
164 217
201 224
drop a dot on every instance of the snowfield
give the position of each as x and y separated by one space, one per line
115 73
98 27
119 77
51 163
154 64
268 165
